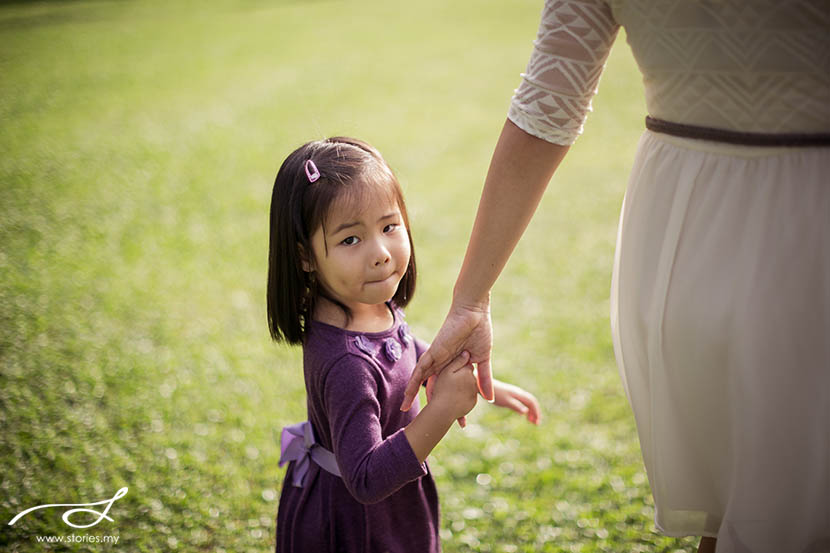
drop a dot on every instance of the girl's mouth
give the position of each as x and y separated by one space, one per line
382 280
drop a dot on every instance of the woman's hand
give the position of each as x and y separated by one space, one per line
466 328
517 399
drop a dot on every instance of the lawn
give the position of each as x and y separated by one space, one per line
138 146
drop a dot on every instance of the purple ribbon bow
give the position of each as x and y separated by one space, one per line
297 444
393 349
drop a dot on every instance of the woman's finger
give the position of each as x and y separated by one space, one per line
423 369
430 387
485 381
418 377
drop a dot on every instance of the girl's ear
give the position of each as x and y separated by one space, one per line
305 259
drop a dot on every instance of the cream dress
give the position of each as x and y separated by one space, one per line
720 301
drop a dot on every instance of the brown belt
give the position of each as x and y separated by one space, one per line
736 137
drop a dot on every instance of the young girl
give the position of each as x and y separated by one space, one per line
341 266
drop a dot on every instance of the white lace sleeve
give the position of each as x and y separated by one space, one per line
569 53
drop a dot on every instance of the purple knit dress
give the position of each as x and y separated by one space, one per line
386 500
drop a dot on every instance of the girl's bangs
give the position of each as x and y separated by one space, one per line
367 189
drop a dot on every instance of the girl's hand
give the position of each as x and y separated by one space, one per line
462 422
466 328
517 399
455 391
453 395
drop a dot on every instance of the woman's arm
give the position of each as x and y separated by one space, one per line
520 170
551 102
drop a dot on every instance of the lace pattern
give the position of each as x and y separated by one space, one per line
741 65
573 42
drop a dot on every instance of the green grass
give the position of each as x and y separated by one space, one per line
138 146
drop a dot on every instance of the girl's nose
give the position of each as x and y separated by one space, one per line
382 256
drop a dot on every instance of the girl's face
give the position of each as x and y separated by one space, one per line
363 253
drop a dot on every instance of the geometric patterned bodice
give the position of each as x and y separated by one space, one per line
743 65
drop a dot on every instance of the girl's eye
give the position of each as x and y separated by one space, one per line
350 241
390 227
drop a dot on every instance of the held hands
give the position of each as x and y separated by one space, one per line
454 394
506 395
454 390
466 328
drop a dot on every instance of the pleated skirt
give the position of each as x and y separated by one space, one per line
720 313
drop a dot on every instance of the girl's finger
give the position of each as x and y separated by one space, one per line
532 407
517 406
458 363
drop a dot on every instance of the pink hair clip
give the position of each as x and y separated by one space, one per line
311 171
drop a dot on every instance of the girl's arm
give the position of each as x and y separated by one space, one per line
453 396
374 466
520 170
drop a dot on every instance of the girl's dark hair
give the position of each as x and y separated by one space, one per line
350 170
